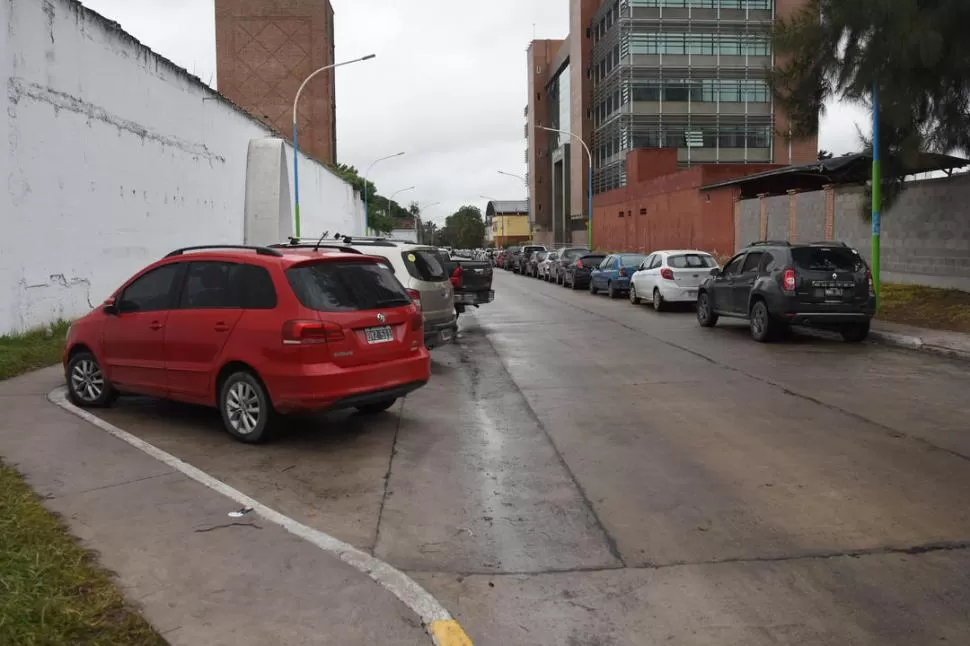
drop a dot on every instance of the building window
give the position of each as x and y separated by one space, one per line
701 44
701 90
711 136
754 5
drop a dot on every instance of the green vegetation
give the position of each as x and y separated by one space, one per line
52 592
20 353
940 309
382 215
464 229
913 51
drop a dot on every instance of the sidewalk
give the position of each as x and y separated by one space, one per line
199 576
940 342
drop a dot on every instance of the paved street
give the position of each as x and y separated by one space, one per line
586 472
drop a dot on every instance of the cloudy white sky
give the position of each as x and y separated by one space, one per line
447 87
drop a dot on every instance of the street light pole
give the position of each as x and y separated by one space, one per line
589 179
366 173
421 208
390 199
296 143
876 195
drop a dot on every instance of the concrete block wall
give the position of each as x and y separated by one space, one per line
112 157
925 236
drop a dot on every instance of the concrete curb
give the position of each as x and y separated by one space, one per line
910 342
437 621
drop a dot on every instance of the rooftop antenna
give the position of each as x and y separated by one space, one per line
320 241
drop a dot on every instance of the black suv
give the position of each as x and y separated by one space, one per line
777 284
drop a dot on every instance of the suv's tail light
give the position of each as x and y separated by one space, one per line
788 280
579 264
415 297
872 287
667 273
309 332
622 272
456 276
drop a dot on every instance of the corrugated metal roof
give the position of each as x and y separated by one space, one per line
502 207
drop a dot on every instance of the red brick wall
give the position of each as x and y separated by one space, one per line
677 214
264 50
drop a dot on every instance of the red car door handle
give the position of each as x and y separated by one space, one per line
155 325
221 327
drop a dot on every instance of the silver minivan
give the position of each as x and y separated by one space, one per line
422 274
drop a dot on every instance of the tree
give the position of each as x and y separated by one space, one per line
464 229
912 51
380 215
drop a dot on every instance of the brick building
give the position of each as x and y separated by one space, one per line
685 75
264 51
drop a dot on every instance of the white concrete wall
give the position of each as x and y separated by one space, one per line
113 156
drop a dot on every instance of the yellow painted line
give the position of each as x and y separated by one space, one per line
447 632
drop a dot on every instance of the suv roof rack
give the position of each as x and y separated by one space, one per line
827 243
323 245
770 243
260 251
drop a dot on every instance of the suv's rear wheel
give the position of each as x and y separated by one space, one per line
87 386
376 407
762 325
705 313
247 411
855 332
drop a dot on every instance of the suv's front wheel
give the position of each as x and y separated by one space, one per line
247 411
762 325
705 313
855 332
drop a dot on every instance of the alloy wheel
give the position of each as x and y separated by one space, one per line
243 408
87 381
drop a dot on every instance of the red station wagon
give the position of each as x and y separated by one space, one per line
255 332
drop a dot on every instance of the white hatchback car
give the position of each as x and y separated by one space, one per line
671 276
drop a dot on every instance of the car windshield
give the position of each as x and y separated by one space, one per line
424 264
827 259
346 286
691 261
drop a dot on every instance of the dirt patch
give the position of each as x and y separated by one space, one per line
930 307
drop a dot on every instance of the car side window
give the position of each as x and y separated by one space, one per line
151 292
752 262
657 261
255 285
769 263
208 286
646 263
734 265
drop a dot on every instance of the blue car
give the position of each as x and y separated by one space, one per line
614 274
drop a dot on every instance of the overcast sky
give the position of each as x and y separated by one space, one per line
447 87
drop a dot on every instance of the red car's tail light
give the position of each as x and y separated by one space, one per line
788 280
579 264
456 277
415 297
308 332
667 273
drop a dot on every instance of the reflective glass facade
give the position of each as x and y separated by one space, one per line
685 74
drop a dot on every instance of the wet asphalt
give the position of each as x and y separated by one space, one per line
587 472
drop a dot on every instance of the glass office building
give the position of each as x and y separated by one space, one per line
685 74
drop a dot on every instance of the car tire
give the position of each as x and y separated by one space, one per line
611 291
658 301
855 332
376 407
634 299
87 387
592 290
761 323
705 313
247 412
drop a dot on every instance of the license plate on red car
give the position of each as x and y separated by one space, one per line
382 334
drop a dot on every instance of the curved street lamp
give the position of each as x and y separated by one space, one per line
589 231
391 198
296 144
366 173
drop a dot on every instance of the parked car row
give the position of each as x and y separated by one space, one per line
771 284
260 331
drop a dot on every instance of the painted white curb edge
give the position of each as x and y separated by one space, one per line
411 594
